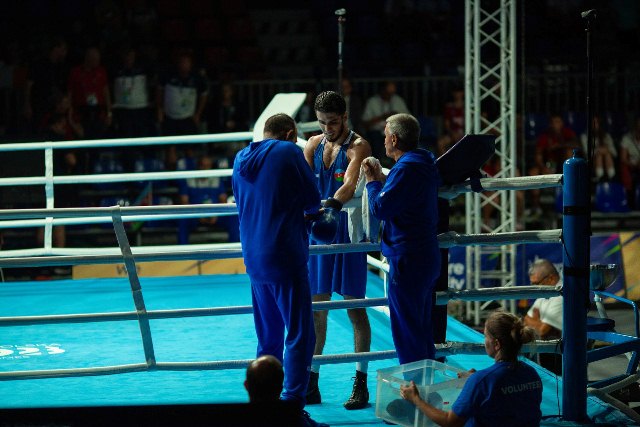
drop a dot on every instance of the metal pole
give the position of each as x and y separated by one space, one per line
589 17
342 18
576 250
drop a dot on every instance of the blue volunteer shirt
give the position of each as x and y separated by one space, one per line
502 395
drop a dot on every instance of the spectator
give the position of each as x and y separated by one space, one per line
508 393
181 98
376 111
131 97
48 78
553 147
354 106
545 315
89 91
206 190
228 114
264 379
61 124
630 161
604 151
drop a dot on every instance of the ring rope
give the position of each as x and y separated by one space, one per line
442 298
115 177
108 256
447 349
496 184
197 255
129 142
136 289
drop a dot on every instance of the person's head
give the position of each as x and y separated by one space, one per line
458 95
205 163
331 112
504 335
401 134
226 91
387 90
61 103
556 123
184 63
264 379
280 126
58 50
129 57
347 87
57 123
92 57
543 272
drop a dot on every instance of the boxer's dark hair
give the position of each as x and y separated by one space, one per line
330 102
278 125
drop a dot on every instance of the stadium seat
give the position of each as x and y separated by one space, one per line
199 8
107 166
616 124
428 131
611 197
535 124
169 8
240 30
576 120
150 165
207 29
175 30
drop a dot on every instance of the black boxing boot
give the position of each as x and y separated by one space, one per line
313 391
360 394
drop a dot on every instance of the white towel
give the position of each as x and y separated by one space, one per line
357 232
363 227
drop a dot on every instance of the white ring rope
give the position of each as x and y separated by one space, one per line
495 184
197 255
42 257
447 349
129 142
442 298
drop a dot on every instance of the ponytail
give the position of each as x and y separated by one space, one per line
510 331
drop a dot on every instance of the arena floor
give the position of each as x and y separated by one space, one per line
82 345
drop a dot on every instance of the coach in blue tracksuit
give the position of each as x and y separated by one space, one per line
407 203
274 189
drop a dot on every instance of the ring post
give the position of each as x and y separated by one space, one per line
575 257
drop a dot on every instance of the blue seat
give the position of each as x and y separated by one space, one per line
108 166
611 197
150 165
161 201
616 124
576 120
428 131
535 124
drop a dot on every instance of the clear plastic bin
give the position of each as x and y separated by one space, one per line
437 383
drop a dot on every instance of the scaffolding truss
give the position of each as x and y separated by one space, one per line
490 107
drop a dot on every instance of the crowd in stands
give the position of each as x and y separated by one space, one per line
114 69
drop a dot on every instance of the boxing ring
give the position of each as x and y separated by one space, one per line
79 343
